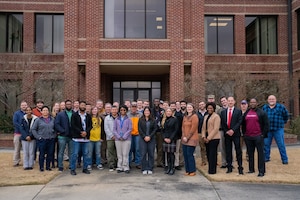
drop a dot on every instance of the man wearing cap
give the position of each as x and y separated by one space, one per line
244 107
37 110
134 115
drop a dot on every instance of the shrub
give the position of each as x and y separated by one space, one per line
295 126
6 125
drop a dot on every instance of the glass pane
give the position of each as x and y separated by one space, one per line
58 34
114 18
155 93
272 35
135 19
210 35
44 33
116 95
143 94
128 95
129 84
15 33
252 35
3 32
144 84
155 84
225 34
155 19
116 84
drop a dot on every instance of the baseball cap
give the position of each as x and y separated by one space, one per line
244 102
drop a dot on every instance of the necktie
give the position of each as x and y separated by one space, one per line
229 117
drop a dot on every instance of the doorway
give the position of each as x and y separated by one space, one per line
133 90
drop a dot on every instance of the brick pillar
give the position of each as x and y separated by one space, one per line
92 55
70 52
239 34
198 52
28 87
28 32
175 34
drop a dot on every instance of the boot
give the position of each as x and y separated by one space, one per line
172 160
168 168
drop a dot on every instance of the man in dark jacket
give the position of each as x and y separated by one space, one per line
255 127
81 124
62 125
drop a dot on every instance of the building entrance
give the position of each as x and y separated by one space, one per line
133 90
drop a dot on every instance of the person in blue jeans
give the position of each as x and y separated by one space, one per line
62 125
81 124
278 116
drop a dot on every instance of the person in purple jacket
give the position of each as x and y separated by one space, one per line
122 132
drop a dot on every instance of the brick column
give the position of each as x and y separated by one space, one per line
239 34
28 86
198 52
28 32
175 34
70 52
92 55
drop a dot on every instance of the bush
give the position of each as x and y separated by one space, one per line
6 125
295 126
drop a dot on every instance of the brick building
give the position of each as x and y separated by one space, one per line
129 49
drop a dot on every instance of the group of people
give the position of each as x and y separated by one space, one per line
126 136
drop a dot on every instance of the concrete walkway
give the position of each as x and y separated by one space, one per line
134 186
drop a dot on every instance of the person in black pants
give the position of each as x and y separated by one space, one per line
255 127
231 120
211 136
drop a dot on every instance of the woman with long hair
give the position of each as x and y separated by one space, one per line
189 139
169 131
147 128
95 139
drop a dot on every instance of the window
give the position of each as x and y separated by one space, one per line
261 35
49 33
135 18
11 33
219 35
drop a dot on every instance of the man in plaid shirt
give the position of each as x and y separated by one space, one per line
278 116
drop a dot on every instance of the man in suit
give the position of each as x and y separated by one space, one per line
231 119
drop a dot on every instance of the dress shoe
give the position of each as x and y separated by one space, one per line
119 171
223 166
285 163
48 169
260 174
138 167
73 172
241 172
172 171
127 171
41 169
229 170
178 168
267 160
86 171
250 172
16 165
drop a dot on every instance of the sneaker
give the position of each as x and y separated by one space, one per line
100 166
150 172
111 169
89 167
144 172
60 169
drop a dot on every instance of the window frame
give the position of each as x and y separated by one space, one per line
260 17
52 28
217 34
7 14
145 21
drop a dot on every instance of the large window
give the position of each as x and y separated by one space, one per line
261 35
298 28
135 18
11 33
49 33
219 35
